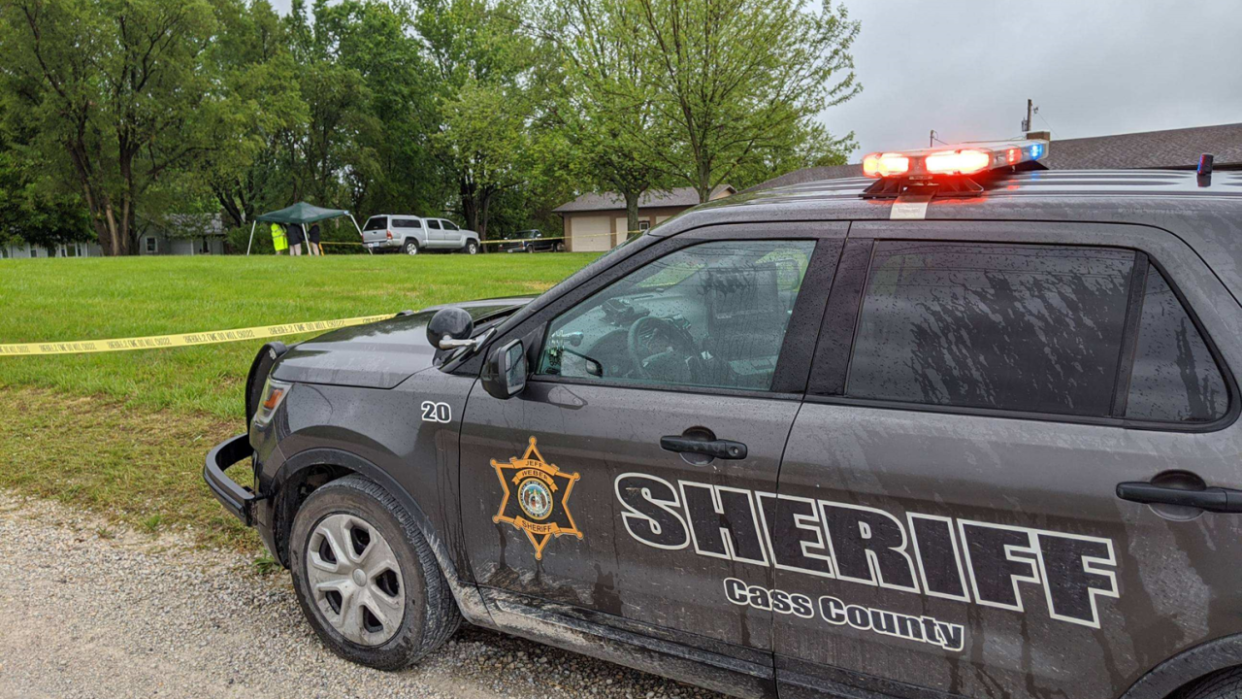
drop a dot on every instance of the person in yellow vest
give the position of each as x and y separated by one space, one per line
279 240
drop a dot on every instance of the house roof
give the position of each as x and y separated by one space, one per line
1174 148
609 201
1169 149
191 225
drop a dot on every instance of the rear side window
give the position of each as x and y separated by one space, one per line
1011 327
376 223
1032 328
406 223
433 224
1175 377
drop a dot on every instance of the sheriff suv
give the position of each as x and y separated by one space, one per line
963 429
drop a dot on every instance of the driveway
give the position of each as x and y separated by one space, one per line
93 611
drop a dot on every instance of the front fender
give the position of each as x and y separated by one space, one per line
293 471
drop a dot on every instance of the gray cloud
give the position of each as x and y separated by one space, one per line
1094 67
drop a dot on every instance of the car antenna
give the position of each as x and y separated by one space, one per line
1205 169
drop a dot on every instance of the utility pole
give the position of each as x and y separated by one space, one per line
1030 109
931 139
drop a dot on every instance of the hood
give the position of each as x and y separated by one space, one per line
376 355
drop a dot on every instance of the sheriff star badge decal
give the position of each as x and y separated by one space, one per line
536 498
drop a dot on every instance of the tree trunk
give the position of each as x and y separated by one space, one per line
704 185
469 206
486 200
114 242
236 216
128 196
631 210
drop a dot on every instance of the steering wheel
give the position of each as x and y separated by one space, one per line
644 330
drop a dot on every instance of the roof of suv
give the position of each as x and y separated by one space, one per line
1119 183
1208 218
1062 195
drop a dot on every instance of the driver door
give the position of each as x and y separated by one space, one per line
594 489
435 234
452 234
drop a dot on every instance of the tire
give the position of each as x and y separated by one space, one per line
410 247
1226 684
403 582
472 247
560 247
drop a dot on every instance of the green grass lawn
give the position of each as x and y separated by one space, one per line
125 433
85 299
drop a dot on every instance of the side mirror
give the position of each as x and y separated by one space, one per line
504 374
450 328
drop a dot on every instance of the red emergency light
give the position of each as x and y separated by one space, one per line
885 165
968 159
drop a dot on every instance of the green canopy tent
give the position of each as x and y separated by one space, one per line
300 213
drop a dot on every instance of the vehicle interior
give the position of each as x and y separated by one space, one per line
717 322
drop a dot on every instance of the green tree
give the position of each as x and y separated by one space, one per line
389 166
33 212
116 85
606 116
496 127
734 86
258 112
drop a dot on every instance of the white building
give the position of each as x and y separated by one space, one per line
178 234
22 250
184 234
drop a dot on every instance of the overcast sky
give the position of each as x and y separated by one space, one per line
1094 67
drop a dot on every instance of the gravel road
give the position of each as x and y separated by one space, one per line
90 610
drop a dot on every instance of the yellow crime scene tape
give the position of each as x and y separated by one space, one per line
184 340
624 236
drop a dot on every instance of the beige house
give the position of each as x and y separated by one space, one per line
597 222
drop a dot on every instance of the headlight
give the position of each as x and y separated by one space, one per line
274 393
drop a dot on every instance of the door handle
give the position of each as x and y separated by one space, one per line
716 448
1210 499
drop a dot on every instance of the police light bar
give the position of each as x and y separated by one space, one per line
968 159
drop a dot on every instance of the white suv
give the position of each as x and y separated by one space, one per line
413 234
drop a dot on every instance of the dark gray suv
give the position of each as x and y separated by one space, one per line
957 431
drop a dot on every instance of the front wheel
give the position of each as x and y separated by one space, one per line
410 247
560 247
472 247
1226 684
365 577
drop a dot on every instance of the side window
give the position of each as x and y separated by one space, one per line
433 224
406 223
450 226
711 315
1175 378
1014 327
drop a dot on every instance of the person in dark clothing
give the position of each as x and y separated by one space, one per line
312 238
296 236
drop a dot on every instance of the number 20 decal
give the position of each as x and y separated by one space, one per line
436 412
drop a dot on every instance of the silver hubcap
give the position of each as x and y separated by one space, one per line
411 249
355 579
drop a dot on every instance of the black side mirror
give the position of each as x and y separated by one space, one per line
504 374
450 328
